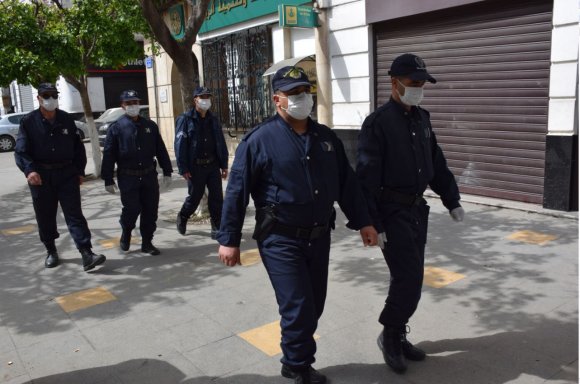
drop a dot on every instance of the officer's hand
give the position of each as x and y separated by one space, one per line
368 235
81 179
224 174
230 256
111 188
166 182
186 175
382 240
34 178
457 214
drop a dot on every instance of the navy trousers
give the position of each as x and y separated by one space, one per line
139 196
60 186
406 230
202 176
298 271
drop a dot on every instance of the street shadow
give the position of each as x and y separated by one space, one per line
497 358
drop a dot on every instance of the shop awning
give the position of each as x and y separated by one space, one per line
308 63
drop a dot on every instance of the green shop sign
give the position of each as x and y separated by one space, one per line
223 13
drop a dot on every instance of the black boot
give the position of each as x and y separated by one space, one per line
181 224
390 343
148 247
409 350
51 255
304 375
125 241
90 259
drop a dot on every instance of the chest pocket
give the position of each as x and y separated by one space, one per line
324 168
289 174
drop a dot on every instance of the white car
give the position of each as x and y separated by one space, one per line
9 125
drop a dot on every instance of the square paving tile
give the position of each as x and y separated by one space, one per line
85 299
438 277
532 237
266 338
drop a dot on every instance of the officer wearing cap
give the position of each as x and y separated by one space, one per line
202 159
133 143
294 169
398 157
50 153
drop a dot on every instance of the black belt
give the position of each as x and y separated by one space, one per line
299 232
136 172
204 161
54 165
390 196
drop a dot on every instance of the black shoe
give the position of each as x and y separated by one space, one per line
410 351
307 375
51 259
90 259
149 248
390 344
125 241
181 224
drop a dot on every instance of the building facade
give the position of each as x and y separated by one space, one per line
505 107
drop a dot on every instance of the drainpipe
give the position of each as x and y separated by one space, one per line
324 87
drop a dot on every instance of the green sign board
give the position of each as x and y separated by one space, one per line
297 16
223 13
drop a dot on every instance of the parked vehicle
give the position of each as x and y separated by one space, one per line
9 125
110 116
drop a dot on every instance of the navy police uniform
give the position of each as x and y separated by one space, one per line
55 151
201 150
296 179
398 158
133 146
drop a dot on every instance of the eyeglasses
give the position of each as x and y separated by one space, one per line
295 73
47 96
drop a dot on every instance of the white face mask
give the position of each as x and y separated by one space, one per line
50 104
204 104
412 96
132 110
299 106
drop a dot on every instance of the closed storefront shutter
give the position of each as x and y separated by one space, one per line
489 106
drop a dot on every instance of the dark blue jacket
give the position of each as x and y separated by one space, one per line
303 180
130 150
398 150
186 134
40 142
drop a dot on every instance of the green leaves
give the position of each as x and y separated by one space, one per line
39 40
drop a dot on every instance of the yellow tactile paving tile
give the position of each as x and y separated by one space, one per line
438 277
532 237
250 257
18 230
114 242
266 338
84 299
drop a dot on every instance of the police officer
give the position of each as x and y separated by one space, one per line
398 157
294 169
50 153
133 142
202 159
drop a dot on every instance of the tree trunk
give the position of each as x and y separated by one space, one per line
186 79
81 86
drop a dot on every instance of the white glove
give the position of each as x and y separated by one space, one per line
166 182
457 214
381 240
111 188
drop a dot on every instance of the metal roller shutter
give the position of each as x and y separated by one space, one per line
489 106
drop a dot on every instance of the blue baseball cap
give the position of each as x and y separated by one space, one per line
411 66
46 87
129 95
287 78
201 91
